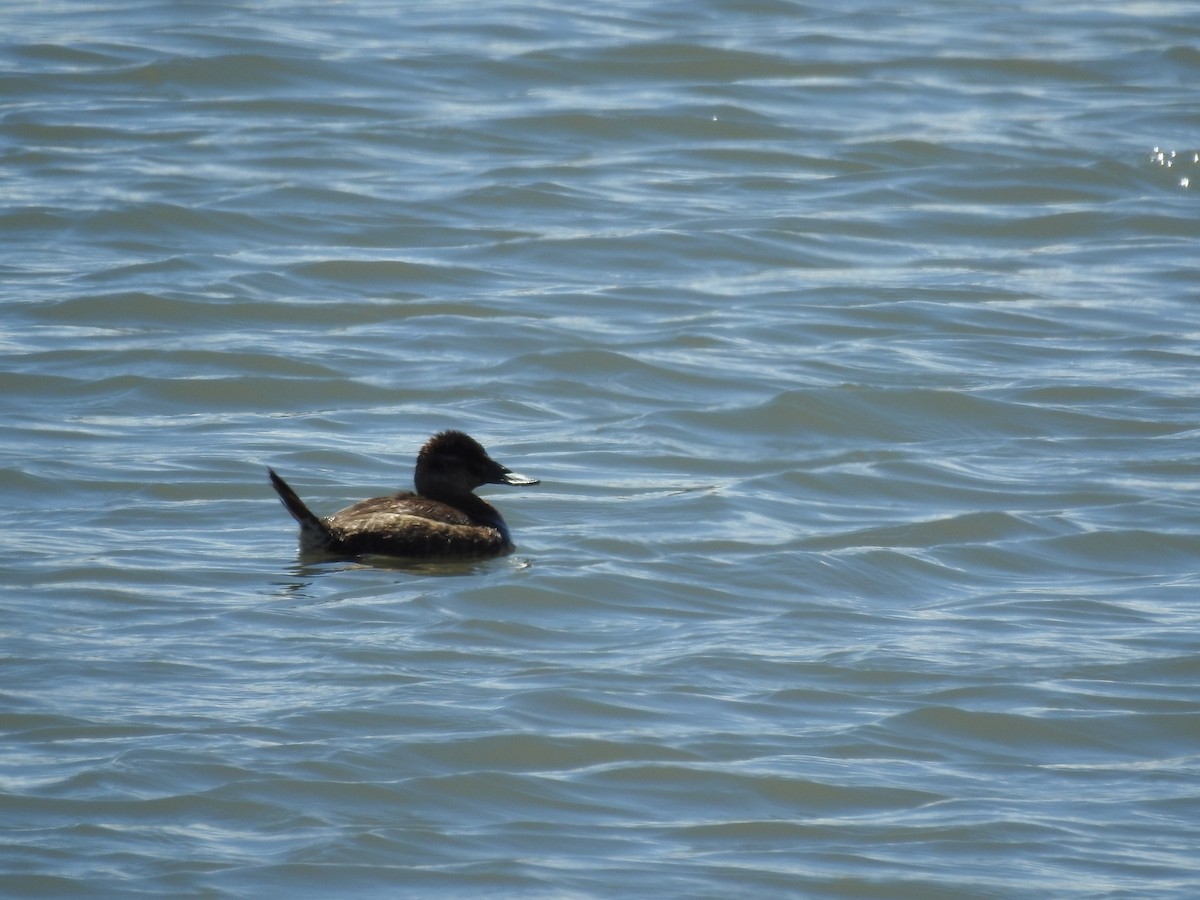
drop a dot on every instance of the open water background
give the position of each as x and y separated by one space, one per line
856 347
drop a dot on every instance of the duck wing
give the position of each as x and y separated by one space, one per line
403 504
408 525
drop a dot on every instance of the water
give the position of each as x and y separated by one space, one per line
855 348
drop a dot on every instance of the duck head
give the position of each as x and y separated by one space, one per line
452 462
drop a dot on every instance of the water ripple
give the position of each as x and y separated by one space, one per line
854 349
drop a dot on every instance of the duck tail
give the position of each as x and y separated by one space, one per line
313 532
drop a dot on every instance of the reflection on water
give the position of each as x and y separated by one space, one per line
855 351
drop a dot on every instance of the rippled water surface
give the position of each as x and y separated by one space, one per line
855 346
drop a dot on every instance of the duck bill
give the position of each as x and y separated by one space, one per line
514 478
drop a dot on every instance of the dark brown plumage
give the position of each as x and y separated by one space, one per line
442 520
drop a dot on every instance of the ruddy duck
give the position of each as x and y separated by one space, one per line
442 520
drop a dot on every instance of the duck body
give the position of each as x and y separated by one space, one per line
442 519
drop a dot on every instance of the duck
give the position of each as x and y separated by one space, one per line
442 519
